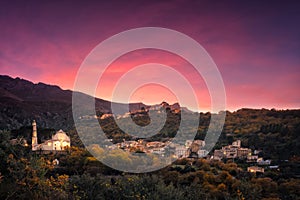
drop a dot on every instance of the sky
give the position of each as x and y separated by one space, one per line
254 44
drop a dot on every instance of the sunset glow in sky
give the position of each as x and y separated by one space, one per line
255 44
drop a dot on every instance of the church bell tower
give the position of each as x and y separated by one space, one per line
34 136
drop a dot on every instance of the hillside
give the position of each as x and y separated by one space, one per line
21 101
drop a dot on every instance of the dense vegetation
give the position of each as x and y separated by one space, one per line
25 175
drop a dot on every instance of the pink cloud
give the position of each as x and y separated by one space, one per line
255 47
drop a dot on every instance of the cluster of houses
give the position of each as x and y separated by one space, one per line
235 151
191 148
232 151
194 149
175 108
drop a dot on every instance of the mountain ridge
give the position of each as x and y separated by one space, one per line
21 101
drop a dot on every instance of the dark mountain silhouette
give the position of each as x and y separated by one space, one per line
21 101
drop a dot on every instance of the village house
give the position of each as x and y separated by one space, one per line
252 158
255 169
159 151
229 151
243 152
200 143
261 161
126 115
127 144
202 153
107 115
218 154
181 151
155 144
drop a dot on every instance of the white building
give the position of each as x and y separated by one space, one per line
181 151
254 169
261 161
202 153
159 151
252 158
59 142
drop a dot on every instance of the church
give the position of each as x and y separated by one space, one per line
60 141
